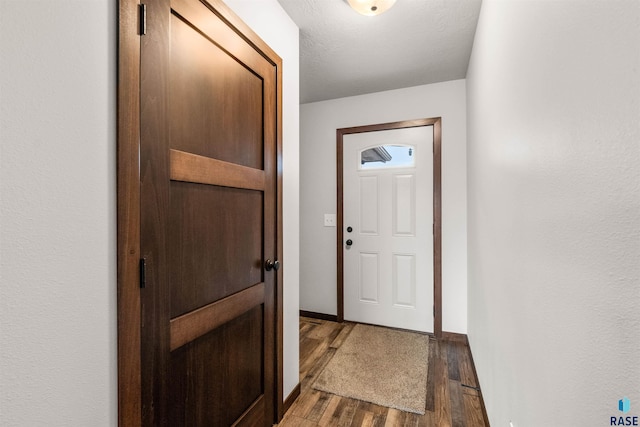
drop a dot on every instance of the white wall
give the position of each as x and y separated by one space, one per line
273 25
58 211
553 92
318 124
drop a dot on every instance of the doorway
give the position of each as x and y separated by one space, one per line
346 232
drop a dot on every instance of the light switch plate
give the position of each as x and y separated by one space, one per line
329 220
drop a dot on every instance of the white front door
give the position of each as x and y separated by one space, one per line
388 217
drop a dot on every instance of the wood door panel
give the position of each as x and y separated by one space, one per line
215 378
208 89
197 14
209 206
214 243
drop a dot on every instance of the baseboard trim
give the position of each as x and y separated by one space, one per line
455 337
291 398
475 374
321 316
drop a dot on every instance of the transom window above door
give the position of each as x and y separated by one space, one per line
387 157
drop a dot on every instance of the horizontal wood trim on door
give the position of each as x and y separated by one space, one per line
253 415
388 126
190 167
189 326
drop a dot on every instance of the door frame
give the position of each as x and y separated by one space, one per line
436 122
128 207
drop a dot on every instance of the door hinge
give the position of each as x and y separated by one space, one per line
143 19
143 273
434 311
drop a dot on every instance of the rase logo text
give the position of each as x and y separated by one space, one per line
624 406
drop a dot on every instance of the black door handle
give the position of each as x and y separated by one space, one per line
272 265
349 242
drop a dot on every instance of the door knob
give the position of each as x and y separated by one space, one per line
271 265
349 242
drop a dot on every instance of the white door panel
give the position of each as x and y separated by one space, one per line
404 280
369 206
404 205
369 279
388 269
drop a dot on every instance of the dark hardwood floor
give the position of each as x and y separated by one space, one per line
453 397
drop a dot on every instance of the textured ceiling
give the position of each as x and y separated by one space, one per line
343 53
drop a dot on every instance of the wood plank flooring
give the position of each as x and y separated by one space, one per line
453 397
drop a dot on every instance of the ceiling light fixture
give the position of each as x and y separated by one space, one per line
371 7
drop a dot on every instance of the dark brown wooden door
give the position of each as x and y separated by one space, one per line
208 220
